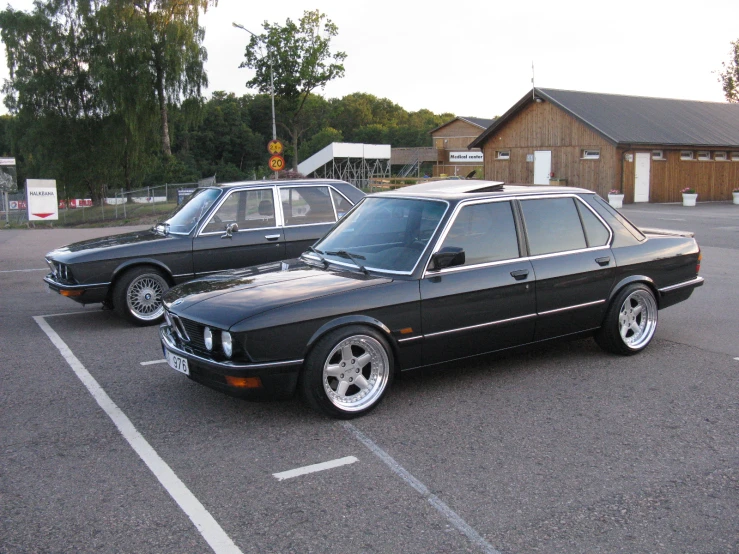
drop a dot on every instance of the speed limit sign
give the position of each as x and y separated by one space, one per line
277 163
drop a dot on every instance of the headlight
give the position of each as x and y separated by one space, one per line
208 337
227 344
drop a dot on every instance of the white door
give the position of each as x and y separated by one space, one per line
542 166
641 176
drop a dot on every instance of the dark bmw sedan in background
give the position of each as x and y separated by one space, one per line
218 228
425 275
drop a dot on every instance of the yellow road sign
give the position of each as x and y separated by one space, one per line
274 147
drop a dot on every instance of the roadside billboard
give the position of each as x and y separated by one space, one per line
43 203
8 175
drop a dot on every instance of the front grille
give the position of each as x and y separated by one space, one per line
195 332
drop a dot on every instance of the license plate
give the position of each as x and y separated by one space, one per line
178 363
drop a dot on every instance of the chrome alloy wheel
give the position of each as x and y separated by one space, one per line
144 297
637 319
356 373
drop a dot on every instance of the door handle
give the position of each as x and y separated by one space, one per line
520 274
604 261
271 237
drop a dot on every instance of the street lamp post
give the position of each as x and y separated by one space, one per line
271 82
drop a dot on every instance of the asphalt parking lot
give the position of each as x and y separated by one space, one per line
560 449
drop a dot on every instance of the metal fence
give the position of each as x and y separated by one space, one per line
161 198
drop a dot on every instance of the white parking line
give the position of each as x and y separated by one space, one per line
315 467
22 270
201 518
434 500
737 359
153 362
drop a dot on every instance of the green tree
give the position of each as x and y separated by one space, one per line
729 77
302 61
154 57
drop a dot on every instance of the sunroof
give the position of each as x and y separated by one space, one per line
489 188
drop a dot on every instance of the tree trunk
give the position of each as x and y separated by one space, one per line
166 147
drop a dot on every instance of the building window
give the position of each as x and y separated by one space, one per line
590 154
719 156
658 155
735 156
502 154
704 156
686 155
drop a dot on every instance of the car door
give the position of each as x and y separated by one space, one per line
486 304
309 211
569 248
258 240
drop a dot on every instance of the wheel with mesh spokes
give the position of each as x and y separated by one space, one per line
348 372
137 295
630 322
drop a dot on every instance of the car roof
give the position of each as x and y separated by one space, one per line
272 182
465 189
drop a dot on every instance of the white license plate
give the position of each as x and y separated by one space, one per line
178 363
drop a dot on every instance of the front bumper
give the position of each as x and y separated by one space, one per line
278 379
84 294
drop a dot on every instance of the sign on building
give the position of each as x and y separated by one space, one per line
43 204
466 157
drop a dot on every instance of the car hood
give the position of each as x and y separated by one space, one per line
107 247
224 299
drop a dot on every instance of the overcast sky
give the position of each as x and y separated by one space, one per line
474 59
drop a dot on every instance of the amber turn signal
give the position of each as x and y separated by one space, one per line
71 292
244 382
698 265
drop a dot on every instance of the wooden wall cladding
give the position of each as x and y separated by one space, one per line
543 126
712 180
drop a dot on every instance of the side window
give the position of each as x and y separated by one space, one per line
552 225
486 232
306 205
596 233
249 209
342 204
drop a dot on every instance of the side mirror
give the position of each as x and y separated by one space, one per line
449 256
231 228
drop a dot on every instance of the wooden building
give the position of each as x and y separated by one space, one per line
648 148
451 141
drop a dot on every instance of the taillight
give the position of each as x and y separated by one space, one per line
698 264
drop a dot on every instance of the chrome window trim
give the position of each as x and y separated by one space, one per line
223 198
459 206
693 282
573 307
445 232
577 198
481 325
304 185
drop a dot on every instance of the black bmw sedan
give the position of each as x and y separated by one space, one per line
218 228
422 276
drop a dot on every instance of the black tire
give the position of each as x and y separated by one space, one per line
137 295
630 322
348 372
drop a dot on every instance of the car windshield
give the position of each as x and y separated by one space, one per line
187 215
384 234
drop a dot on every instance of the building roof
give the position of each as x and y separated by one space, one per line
476 121
635 120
